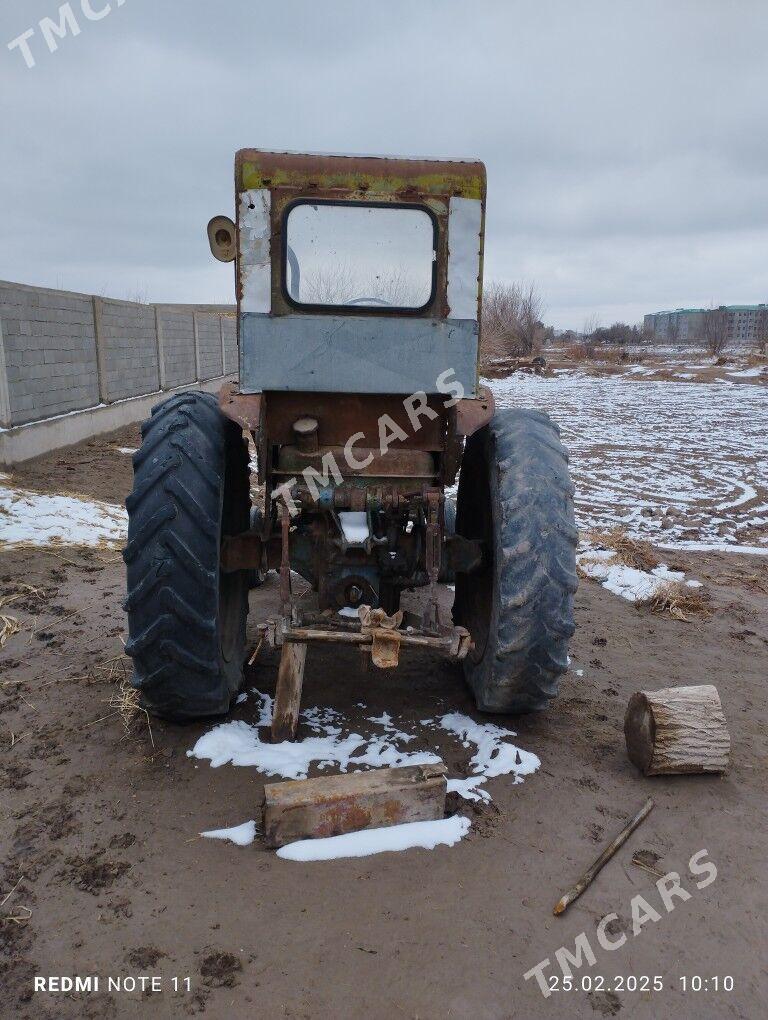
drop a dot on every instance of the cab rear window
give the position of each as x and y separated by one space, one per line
359 256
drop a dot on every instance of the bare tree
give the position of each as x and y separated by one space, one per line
331 285
531 331
339 284
396 288
715 330
588 331
501 315
512 325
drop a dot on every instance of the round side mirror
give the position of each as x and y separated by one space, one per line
222 237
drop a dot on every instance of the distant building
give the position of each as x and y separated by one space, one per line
745 323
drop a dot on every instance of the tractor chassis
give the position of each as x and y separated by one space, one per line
378 636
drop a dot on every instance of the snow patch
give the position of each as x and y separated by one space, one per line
242 835
29 517
657 457
394 838
385 720
469 789
240 743
747 373
630 583
495 755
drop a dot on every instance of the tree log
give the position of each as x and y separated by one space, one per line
677 730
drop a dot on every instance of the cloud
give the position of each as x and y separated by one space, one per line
623 141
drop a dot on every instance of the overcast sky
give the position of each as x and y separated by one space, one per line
625 141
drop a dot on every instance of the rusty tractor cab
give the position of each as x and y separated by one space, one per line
359 283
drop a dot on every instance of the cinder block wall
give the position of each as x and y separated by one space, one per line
176 331
48 362
128 339
209 345
62 352
229 332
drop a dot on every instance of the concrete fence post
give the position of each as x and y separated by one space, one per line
5 394
161 370
223 346
101 353
197 346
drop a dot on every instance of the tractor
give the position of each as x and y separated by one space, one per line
359 289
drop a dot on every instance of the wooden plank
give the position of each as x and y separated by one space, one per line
290 678
332 805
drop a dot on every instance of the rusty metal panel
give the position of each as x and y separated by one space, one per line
356 354
471 415
333 805
391 464
343 415
401 177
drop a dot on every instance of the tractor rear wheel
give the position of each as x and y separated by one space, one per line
515 495
186 617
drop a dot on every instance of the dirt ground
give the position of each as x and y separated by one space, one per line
99 829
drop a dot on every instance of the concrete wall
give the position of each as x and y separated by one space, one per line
62 352
209 345
98 359
176 331
128 341
48 362
229 332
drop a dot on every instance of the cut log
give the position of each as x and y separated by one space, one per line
677 730
333 805
290 678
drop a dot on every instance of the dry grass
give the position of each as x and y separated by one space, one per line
679 600
632 552
9 625
125 699
587 351
579 352
22 913
757 583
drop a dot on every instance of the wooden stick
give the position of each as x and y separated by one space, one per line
602 860
256 651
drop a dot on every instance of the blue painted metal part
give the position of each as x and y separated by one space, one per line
355 354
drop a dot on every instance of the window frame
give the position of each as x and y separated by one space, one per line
398 310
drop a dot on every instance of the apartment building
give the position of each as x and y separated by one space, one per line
746 324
